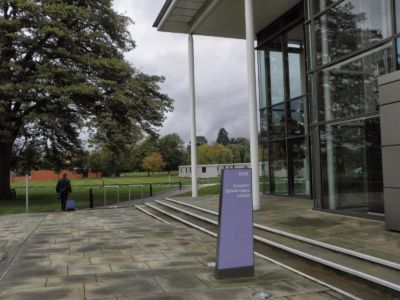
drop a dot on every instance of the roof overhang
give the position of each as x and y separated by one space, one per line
220 18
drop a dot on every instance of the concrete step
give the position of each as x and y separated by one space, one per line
335 248
373 272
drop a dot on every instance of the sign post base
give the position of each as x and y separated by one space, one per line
235 273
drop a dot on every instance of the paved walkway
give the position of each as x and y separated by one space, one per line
297 216
124 254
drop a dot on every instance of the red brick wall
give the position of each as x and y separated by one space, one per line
43 175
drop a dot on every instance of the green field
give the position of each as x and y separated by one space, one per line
204 191
42 194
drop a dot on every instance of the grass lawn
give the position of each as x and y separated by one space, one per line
43 199
204 191
123 180
42 194
264 188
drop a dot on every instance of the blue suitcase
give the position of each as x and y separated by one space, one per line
70 205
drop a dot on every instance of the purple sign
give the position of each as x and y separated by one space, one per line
235 254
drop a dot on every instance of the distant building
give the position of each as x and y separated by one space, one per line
213 170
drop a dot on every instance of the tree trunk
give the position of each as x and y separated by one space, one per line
5 159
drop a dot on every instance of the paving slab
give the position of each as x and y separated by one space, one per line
127 287
124 254
67 292
180 282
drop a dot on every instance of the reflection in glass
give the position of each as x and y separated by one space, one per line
296 117
295 75
312 98
295 49
265 186
261 79
264 123
349 26
351 88
277 122
278 165
301 169
397 4
283 117
320 5
276 75
352 166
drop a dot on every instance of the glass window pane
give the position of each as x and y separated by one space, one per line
264 123
351 166
351 25
278 165
265 186
301 169
320 5
276 75
312 99
277 122
397 4
351 88
296 117
295 48
262 79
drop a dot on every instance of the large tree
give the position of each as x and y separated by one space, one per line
62 69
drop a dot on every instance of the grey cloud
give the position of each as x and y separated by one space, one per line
221 84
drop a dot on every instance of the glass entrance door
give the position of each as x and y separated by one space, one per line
286 166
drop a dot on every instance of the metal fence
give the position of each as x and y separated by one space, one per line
44 198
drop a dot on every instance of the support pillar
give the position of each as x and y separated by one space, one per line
389 107
192 96
252 98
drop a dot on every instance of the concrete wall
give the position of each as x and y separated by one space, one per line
389 103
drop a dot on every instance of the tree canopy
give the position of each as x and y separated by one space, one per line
62 69
223 137
153 162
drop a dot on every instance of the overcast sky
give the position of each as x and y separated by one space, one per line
220 73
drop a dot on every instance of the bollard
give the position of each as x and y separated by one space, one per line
91 198
180 185
151 190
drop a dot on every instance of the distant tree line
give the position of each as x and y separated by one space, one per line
117 153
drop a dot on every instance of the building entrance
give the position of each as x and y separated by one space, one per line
283 115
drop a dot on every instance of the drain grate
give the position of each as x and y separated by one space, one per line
211 265
262 295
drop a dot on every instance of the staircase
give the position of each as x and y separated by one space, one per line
355 274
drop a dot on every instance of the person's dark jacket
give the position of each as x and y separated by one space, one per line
63 185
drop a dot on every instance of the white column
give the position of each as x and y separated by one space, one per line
192 96
252 95
26 193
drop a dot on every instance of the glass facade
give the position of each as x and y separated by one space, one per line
349 88
349 26
282 111
320 77
351 165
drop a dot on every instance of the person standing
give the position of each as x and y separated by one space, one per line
63 188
